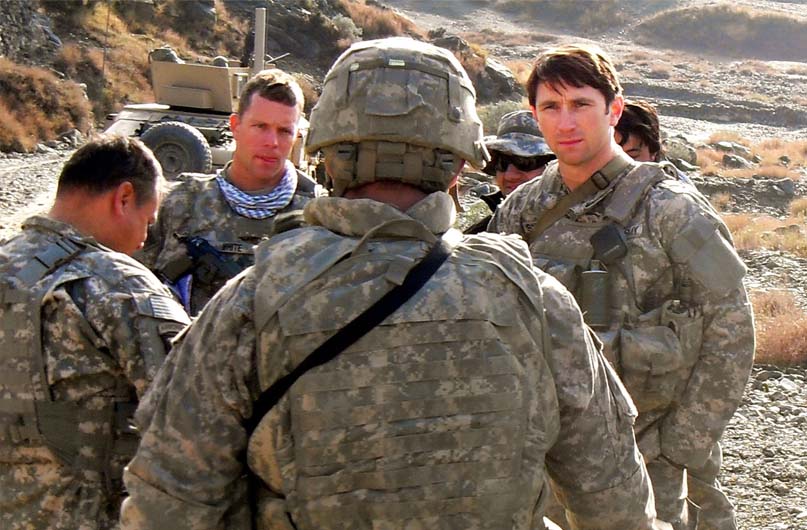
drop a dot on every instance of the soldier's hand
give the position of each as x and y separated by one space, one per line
288 221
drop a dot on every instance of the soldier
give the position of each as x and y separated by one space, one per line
637 132
209 224
83 330
650 262
518 153
443 411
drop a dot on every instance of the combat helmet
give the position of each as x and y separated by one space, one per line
397 109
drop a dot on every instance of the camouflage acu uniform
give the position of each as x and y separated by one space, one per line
195 206
83 331
678 328
442 417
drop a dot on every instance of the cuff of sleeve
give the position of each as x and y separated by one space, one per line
684 449
627 505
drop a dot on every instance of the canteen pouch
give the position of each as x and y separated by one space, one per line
657 355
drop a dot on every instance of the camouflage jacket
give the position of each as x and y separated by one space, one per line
678 325
195 206
105 324
444 416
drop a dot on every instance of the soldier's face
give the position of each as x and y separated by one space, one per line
513 176
635 148
577 124
264 136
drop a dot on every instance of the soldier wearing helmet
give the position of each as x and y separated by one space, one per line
288 407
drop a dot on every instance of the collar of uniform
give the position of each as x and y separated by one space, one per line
60 228
356 217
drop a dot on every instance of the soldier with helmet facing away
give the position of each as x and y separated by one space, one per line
290 407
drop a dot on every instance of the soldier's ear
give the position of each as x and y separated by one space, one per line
123 198
615 110
235 119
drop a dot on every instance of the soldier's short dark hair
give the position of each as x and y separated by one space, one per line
575 65
639 118
274 85
106 162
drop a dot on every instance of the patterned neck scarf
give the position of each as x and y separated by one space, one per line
260 206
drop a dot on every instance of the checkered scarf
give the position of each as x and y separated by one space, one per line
260 206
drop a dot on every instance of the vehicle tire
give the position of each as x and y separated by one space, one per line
179 148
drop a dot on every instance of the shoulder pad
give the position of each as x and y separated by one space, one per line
711 258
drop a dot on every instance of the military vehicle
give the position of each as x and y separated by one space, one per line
188 126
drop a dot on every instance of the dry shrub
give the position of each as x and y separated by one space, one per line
38 105
755 232
720 200
771 149
521 70
798 208
781 328
488 36
378 21
491 114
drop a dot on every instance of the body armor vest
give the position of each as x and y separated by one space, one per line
29 415
650 337
419 423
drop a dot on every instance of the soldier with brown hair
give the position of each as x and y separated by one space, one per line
651 264
379 370
83 330
209 224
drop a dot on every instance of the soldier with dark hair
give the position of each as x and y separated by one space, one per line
379 370
651 264
637 132
209 224
83 331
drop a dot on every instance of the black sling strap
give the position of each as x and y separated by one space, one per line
354 330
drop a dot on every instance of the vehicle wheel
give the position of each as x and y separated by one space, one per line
179 148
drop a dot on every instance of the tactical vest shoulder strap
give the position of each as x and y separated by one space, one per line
598 181
30 415
631 190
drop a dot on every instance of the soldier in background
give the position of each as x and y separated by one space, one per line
518 153
651 264
637 132
209 224
446 411
83 330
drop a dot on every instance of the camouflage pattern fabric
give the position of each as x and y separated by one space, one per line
686 383
518 135
99 345
195 206
445 416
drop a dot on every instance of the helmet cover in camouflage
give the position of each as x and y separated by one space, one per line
399 91
518 135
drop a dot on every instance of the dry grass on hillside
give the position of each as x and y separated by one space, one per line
37 105
377 20
729 30
763 231
579 16
770 153
781 329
